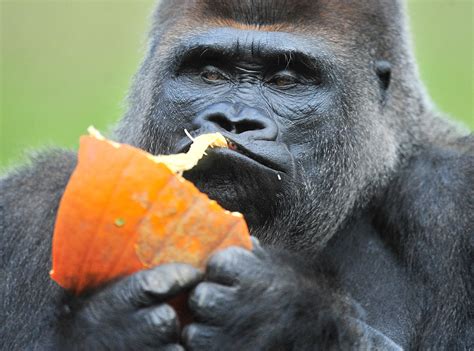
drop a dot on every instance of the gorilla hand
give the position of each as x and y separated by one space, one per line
244 304
258 301
131 314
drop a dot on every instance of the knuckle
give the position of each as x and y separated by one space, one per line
186 273
163 316
202 290
153 282
225 256
200 337
233 259
257 247
211 300
141 282
200 295
182 268
236 251
217 258
167 313
255 241
190 332
174 269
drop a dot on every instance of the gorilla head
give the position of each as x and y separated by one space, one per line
307 92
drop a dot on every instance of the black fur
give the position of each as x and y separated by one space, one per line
359 191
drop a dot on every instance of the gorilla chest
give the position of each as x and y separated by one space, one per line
371 274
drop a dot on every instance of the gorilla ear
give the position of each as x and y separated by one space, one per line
383 69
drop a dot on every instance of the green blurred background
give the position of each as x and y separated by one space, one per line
66 64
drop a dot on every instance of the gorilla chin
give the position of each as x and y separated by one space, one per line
240 183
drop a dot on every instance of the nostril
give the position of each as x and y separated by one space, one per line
236 119
246 125
221 121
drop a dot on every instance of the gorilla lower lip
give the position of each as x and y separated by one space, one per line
242 154
236 148
254 157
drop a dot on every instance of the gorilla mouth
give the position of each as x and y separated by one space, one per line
235 147
254 156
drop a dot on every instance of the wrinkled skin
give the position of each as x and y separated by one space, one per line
357 194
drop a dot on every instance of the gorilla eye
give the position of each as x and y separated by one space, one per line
211 74
283 80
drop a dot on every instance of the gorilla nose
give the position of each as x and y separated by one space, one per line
248 122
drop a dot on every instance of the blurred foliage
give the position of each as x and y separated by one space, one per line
67 64
443 33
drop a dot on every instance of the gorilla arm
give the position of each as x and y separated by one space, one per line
427 214
29 200
128 314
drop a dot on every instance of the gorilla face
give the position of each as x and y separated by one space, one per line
230 81
302 113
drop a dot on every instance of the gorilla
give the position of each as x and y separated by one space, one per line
357 191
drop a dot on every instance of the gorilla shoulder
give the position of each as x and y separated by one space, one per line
29 200
44 174
436 180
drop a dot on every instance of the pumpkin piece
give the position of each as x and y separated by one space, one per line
124 210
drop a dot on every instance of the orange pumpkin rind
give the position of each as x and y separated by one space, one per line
124 210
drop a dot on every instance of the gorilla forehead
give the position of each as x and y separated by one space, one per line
289 12
258 12
353 24
277 11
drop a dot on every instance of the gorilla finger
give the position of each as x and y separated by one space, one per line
198 336
257 248
209 302
158 324
158 284
226 266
